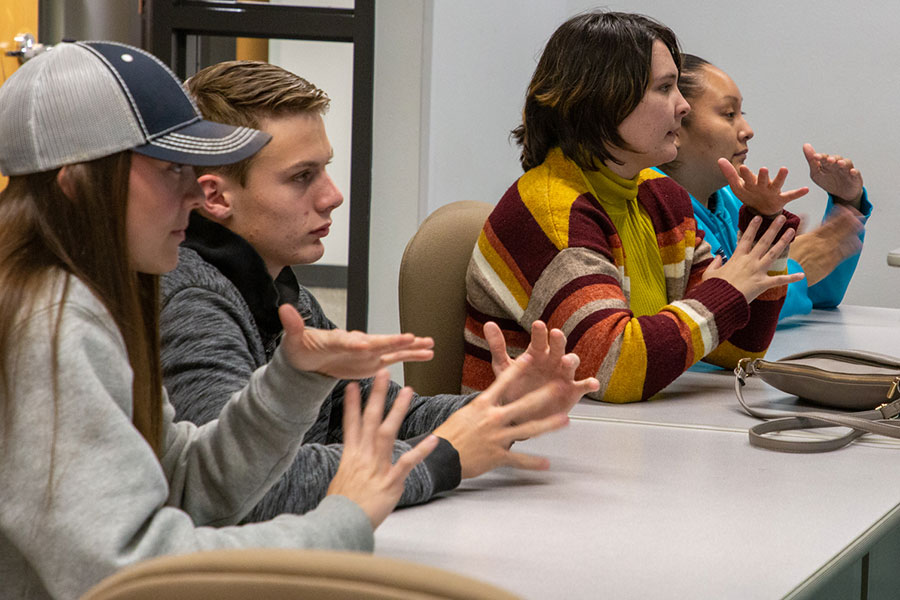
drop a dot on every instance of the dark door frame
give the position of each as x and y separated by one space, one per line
166 25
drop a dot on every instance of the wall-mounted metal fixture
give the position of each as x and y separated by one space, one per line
26 47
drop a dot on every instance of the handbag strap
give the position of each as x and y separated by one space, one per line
880 420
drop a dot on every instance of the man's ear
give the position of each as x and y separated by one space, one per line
217 201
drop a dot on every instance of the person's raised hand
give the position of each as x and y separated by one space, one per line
758 192
483 431
346 354
546 352
827 246
747 269
365 473
835 174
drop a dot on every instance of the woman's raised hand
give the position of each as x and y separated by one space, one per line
365 474
758 191
835 174
346 354
747 269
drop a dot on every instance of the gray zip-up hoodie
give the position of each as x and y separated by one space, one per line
219 323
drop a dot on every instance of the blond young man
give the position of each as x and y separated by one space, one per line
219 311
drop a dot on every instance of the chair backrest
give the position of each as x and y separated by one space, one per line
433 292
281 574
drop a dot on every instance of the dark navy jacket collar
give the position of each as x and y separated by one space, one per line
236 259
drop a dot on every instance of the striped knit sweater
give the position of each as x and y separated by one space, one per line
549 251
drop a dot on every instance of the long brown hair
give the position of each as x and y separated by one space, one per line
592 74
43 229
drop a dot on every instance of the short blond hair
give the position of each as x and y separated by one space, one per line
244 92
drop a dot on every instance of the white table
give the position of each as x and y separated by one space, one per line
666 499
634 511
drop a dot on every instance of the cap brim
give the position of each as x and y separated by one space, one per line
206 144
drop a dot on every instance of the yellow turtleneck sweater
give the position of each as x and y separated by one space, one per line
643 264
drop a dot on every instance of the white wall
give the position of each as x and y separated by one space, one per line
399 30
822 71
482 57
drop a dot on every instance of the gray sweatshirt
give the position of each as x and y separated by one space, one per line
219 323
81 492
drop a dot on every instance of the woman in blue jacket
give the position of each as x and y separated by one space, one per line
716 129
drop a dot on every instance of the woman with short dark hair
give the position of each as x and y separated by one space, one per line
574 103
593 242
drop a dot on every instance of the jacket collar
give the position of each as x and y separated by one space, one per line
236 259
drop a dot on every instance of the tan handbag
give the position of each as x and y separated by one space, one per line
864 382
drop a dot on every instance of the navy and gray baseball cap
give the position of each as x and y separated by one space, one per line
85 100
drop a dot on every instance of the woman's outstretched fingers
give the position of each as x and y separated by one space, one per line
408 460
345 354
780 178
546 352
759 193
407 356
749 245
351 417
373 413
388 429
780 246
366 474
767 239
748 237
395 346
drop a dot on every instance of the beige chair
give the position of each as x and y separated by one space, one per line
278 574
433 292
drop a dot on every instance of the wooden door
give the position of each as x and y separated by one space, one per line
16 16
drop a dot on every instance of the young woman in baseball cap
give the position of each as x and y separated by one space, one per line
98 139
